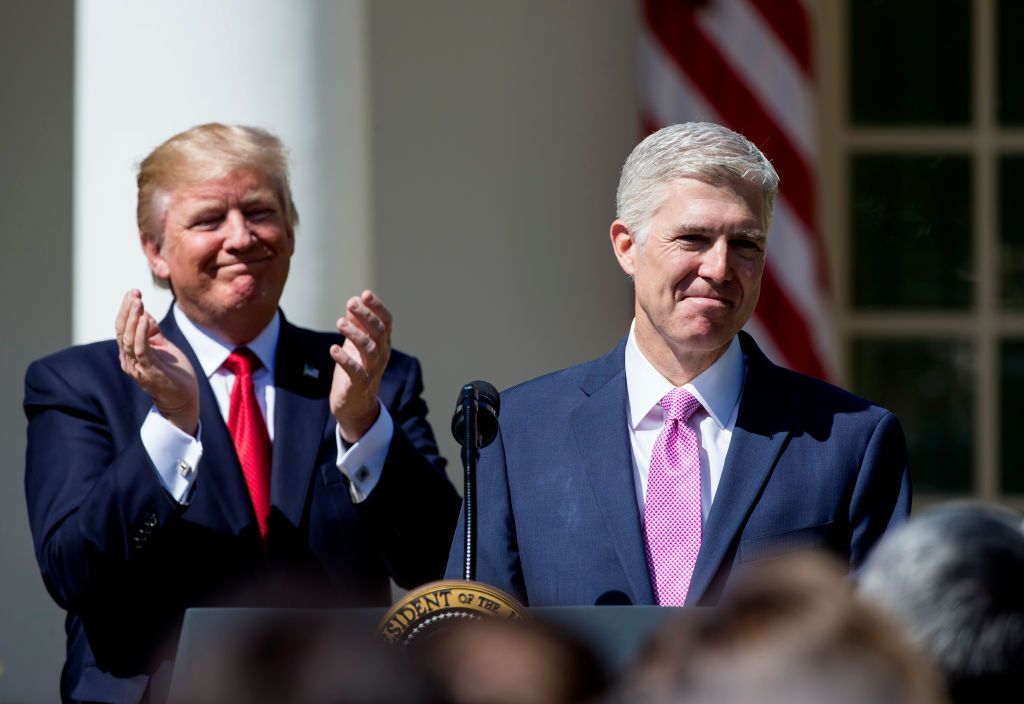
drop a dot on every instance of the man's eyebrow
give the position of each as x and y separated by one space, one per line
751 234
203 205
261 196
758 235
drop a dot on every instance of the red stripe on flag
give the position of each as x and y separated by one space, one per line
790 23
648 125
673 24
726 88
788 328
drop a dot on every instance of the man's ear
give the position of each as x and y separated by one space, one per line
624 245
157 263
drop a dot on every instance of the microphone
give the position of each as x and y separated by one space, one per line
444 603
488 402
474 425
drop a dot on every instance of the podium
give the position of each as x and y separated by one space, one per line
616 633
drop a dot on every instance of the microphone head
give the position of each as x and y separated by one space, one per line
486 393
488 404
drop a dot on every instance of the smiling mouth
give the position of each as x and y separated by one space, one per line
709 300
243 264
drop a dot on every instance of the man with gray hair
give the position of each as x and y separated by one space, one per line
953 576
644 476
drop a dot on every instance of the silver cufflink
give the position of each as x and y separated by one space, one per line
185 468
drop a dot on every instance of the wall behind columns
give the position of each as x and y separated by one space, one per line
296 68
36 55
499 129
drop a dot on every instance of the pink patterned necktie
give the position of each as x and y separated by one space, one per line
672 519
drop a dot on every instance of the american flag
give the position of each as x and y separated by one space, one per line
747 64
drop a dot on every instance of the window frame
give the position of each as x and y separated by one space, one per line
984 141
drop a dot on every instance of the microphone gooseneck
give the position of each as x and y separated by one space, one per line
474 425
442 604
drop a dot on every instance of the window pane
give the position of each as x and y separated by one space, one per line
911 232
910 62
1011 62
1011 229
1011 415
927 384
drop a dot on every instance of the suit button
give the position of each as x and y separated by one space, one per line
151 520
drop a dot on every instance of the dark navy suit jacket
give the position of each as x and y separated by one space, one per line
809 466
125 560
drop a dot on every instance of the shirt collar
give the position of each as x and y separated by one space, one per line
717 388
212 350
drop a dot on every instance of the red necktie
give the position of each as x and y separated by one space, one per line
249 432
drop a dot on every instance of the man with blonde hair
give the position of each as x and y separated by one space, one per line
223 451
644 476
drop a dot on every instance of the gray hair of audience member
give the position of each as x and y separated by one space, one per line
699 150
787 631
954 577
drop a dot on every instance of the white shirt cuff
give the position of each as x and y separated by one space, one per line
174 453
363 462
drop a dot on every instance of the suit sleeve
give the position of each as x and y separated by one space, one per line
881 497
413 509
93 508
496 546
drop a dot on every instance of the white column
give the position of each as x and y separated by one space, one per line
147 70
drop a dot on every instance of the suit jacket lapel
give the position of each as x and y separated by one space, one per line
758 439
220 481
599 424
302 382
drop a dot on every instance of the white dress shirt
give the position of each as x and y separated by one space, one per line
718 388
176 454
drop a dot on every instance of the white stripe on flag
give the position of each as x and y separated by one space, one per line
769 70
668 94
772 76
791 258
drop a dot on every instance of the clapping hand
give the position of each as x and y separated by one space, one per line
157 365
359 364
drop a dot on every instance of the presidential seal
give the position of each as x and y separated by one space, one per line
437 604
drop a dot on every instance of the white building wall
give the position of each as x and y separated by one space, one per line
36 62
499 132
429 140
147 70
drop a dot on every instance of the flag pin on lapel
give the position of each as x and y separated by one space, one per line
310 371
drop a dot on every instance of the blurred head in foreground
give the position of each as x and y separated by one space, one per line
954 577
497 661
302 658
788 632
